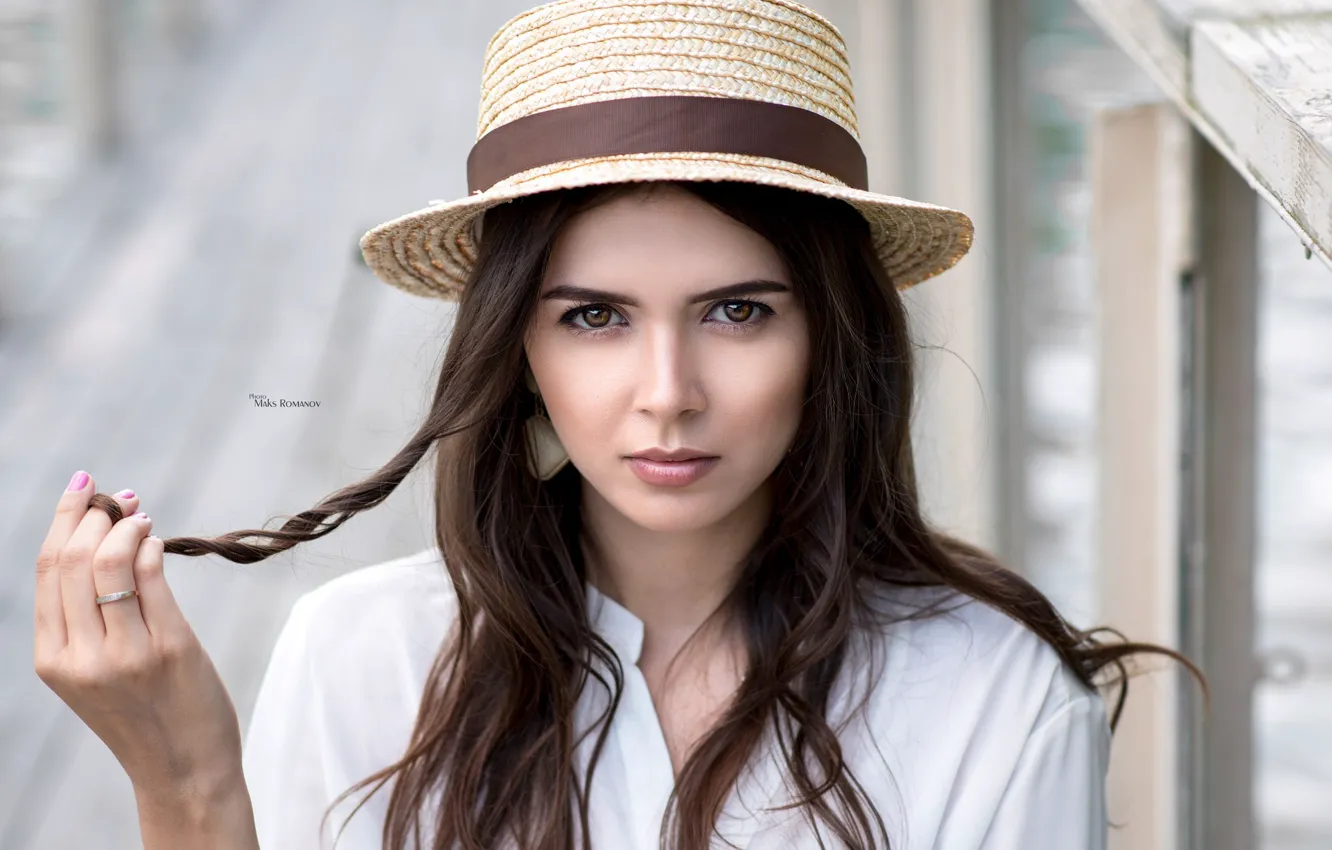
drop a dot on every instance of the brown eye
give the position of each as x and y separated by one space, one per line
596 317
740 315
586 318
739 311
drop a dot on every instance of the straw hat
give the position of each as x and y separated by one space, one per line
584 92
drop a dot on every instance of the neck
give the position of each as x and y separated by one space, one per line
671 580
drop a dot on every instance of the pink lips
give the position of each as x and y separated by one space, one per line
671 473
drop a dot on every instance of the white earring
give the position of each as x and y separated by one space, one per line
545 453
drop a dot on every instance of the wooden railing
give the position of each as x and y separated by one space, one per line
1247 115
1252 76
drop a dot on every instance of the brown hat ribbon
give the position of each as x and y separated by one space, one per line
667 124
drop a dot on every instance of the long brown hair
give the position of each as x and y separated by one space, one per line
494 736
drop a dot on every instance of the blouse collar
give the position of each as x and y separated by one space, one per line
617 625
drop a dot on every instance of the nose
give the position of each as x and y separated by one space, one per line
669 383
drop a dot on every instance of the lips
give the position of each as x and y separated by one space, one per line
671 455
666 473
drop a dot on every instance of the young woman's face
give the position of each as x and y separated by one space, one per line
659 356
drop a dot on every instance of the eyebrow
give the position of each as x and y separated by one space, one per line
733 290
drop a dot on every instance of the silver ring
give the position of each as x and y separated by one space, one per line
112 597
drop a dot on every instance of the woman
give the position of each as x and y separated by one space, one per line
682 590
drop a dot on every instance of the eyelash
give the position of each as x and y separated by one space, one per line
764 311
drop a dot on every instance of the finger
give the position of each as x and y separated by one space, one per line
78 592
113 571
49 612
161 614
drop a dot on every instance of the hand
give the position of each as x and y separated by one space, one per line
132 669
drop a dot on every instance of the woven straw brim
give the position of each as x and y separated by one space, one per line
431 252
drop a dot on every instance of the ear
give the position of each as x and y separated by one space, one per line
530 378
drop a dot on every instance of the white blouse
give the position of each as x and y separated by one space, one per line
975 735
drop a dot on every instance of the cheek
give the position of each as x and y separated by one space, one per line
584 404
764 410
756 397
778 371
575 381
588 427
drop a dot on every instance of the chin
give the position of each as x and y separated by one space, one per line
676 510
665 518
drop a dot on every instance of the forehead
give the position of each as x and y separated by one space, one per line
666 237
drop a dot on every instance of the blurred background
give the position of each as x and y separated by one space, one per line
182 184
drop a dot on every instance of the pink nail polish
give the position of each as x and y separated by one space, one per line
126 494
141 515
78 482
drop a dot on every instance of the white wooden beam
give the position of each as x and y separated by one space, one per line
1142 234
1183 43
1156 32
1266 86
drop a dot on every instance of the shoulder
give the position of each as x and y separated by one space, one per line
341 692
368 638
388 618
960 705
967 687
971 654
389 596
